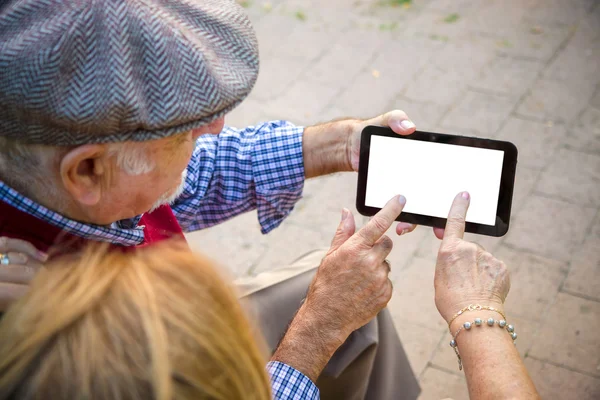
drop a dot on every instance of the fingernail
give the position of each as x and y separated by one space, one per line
465 195
402 200
345 212
407 124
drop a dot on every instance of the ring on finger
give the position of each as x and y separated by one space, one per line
4 259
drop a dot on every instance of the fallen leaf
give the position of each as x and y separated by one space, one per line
375 73
438 37
300 15
536 30
452 18
267 6
504 43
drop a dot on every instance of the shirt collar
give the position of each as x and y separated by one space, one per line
125 232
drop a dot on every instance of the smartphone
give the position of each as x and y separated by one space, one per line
430 169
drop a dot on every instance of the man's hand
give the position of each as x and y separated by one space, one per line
335 146
397 120
350 288
24 261
465 273
352 285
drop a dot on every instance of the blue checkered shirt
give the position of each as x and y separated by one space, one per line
259 167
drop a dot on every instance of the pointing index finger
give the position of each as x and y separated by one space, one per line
455 225
381 222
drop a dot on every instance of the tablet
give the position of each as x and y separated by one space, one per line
430 169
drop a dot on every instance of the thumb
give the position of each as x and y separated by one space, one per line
344 231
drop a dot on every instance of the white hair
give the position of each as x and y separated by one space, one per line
26 167
131 158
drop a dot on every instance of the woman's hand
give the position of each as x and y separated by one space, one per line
20 261
466 273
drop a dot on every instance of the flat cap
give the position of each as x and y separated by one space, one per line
96 71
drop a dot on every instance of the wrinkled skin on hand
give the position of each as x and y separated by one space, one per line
465 273
351 285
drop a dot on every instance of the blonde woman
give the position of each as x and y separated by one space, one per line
155 324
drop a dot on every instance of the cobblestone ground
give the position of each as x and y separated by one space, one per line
527 71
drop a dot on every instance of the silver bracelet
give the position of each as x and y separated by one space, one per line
479 322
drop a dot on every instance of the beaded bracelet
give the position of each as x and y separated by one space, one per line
478 322
474 307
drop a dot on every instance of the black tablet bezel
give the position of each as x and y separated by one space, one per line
507 179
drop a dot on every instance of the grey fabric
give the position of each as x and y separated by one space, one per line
98 71
370 365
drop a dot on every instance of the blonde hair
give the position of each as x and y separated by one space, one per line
158 323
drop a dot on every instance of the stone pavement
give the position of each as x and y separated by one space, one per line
527 71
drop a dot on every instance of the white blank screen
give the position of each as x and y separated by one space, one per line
431 174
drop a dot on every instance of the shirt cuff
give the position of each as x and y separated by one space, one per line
278 169
289 383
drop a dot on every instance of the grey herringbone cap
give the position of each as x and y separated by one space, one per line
98 71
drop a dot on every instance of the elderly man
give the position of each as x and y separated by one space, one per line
112 130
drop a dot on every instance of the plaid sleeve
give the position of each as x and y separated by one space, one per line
259 167
289 383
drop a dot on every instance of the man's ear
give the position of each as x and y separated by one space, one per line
83 172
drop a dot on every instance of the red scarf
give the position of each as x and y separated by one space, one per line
158 225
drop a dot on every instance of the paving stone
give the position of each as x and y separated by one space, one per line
438 25
572 176
339 65
436 385
509 76
584 276
582 58
400 59
234 245
595 101
274 79
544 102
332 192
324 198
479 112
368 96
332 113
569 336
414 286
405 247
525 181
500 17
436 85
287 244
250 112
585 133
553 382
425 115
527 330
532 41
459 6
549 227
528 271
559 11
536 142
388 12
303 101
271 30
418 342
449 72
